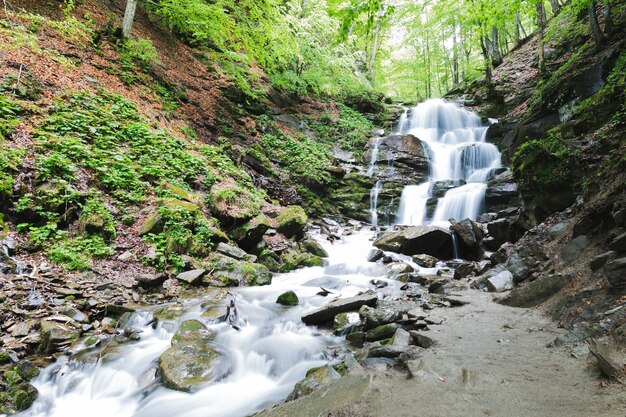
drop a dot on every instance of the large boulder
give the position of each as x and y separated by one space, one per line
56 337
615 272
536 292
193 360
429 240
250 233
327 312
374 317
574 248
405 151
292 221
470 235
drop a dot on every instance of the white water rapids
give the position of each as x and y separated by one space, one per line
267 357
455 142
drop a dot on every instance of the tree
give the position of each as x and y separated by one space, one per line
129 17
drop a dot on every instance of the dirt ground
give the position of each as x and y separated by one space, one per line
489 360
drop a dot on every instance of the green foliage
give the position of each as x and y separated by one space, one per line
305 159
547 165
95 209
9 113
140 52
76 253
350 131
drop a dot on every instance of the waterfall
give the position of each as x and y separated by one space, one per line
374 202
455 141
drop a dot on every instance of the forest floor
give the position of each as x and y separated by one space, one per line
488 360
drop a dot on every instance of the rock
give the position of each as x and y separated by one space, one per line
426 261
56 337
230 250
610 360
500 282
356 339
312 246
429 240
288 298
150 280
127 256
314 378
501 193
75 314
375 255
574 248
421 339
182 194
599 261
535 292
152 224
250 233
499 230
192 277
468 231
558 229
292 221
329 311
192 361
401 339
385 351
397 268
22 328
374 317
255 274
522 263
381 332
464 270
619 243
615 272
24 396
405 151
26 370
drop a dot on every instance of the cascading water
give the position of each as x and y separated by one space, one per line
455 142
266 358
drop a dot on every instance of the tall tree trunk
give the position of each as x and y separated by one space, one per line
540 29
517 31
494 48
428 69
598 36
556 7
370 67
129 17
485 52
455 56
608 19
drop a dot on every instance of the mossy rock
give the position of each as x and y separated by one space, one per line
288 298
293 259
56 336
255 274
182 194
292 221
312 246
173 204
234 203
382 332
192 330
97 224
152 224
193 360
24 396
251 232
26 370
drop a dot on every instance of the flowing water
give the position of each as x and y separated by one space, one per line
455 142
266 358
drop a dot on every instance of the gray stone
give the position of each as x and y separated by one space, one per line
558 229
375 255
192 361
429 240
230 250
499 230
374 317
192 277
615 272
329 311
421 339
401 338
150 280
535 292
384 331
500 282
619 243
75 314
599 261
426 261
574 248
313 246
397 268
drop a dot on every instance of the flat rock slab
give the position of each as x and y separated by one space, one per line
329 311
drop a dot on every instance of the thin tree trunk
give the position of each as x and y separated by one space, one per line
370 68
455 56
517 27
540 30
608 19
598 36
493 47
556 7
129 17
485 52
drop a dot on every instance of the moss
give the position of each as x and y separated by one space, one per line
292 221
288 298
